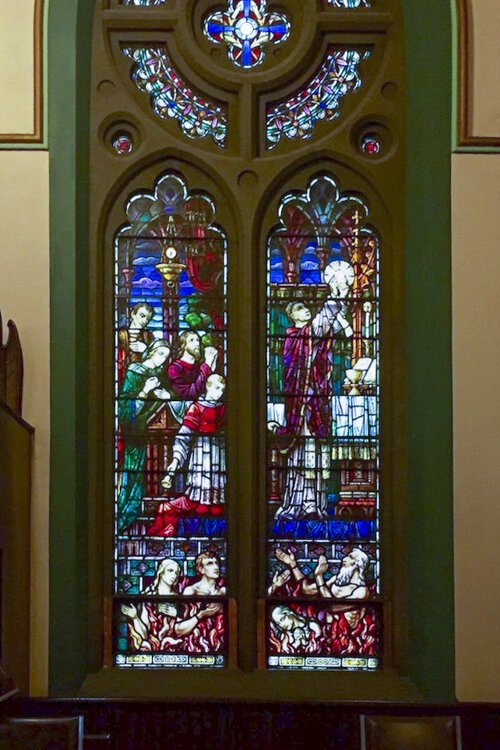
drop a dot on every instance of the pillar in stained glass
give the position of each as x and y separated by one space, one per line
170 603
323 584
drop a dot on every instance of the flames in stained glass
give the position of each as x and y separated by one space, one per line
170 464
323 583
171 97
296 117
246 27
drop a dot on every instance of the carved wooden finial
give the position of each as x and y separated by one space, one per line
11 368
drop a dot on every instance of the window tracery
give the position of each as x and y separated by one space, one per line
320 590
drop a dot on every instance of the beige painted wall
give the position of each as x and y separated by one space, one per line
24 297
16 64
476 359
485 66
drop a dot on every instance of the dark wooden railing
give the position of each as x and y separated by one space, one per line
134 725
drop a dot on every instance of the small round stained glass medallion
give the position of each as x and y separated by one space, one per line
246 28
370 145
123 144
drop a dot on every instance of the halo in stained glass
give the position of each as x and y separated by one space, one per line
246 27
171 97
318 100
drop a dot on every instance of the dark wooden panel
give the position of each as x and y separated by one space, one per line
135 725
15 506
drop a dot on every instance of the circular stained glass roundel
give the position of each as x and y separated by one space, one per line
370 145
123 144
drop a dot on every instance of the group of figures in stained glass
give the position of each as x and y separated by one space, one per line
170 447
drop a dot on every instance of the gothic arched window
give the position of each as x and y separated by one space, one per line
247 207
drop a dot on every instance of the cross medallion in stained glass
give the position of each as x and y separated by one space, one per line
246 27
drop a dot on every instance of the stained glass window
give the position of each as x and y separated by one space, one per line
318 100
323 433
170 464
349 3
246 27
171 97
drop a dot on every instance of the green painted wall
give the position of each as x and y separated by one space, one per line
68 59
430 479
430 595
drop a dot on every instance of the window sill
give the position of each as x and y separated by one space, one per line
233 685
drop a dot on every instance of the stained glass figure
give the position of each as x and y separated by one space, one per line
246 27
349 3
317 637
323 431
170 464
320 98
171 97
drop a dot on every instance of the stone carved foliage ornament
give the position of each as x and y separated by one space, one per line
246 27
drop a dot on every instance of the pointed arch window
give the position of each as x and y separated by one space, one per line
250 235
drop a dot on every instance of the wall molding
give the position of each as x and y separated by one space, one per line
37 136
464 45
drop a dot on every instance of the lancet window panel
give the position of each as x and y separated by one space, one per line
323 428
171 606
